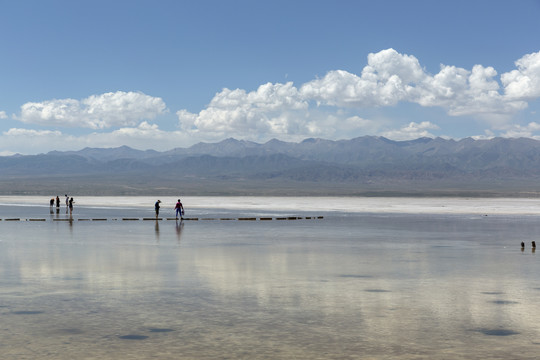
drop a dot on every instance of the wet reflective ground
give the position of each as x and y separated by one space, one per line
344 287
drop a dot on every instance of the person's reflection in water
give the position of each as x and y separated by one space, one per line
157 231
179 227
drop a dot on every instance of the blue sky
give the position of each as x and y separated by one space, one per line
165 74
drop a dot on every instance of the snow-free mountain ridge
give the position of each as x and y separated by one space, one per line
357 164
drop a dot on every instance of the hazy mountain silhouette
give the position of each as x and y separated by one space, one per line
357 165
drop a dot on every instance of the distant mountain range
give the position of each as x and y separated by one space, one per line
362 166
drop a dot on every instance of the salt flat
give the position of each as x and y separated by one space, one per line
409 205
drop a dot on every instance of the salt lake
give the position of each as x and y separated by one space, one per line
375 278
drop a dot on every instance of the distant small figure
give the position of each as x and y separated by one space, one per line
533 245
67 203
70 205
57 202
522 245
179 209
156 206
51 203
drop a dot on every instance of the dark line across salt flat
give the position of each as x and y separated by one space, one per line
169 219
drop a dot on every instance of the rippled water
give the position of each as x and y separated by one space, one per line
351 285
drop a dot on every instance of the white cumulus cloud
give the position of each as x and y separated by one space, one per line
516 130
464 92
325 106
143 136
337 105
95 112
388 78
411 131
524 82
271 109
30 141
391 77
30 133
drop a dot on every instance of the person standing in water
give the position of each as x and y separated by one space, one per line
67 203
156 206
70 205
57 204
179 209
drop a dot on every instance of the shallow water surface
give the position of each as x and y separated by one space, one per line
350 285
